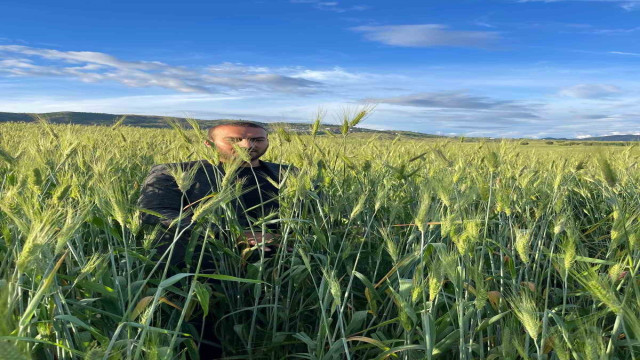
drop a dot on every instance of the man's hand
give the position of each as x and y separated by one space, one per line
254 238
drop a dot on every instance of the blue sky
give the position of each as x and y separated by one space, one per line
476 68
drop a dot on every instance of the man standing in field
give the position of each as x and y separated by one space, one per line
172 192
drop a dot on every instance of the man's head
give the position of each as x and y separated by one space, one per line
244 134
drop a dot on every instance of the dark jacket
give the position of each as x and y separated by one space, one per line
161 195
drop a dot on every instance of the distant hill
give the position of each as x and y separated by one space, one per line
151 121
599 138
613 138
554 138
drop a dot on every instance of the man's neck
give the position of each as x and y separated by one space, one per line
254 163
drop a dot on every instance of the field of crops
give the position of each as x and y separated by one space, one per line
392 249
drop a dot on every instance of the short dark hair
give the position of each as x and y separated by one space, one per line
237 123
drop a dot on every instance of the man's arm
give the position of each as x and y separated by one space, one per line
160 195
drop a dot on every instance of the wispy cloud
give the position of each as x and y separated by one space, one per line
587 28
335 74
461 113
628 5
427 35
484 22
615 31
624 53
446 100
330 5
609 1
591 91
89 66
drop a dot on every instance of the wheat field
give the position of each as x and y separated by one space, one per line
392 249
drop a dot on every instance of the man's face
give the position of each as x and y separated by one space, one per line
253 139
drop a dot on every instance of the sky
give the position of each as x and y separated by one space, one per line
508 68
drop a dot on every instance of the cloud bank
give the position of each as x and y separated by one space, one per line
89 66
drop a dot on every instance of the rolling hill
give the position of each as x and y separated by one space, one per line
151 121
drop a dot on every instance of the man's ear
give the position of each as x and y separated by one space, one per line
207 143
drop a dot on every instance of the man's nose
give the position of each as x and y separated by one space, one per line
245 143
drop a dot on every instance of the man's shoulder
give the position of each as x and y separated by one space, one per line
279 169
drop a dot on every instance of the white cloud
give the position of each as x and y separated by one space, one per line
624 53
88 66
335 74
591 91
426 35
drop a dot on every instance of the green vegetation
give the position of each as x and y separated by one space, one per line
392 249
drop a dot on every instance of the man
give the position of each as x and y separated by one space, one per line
172 192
